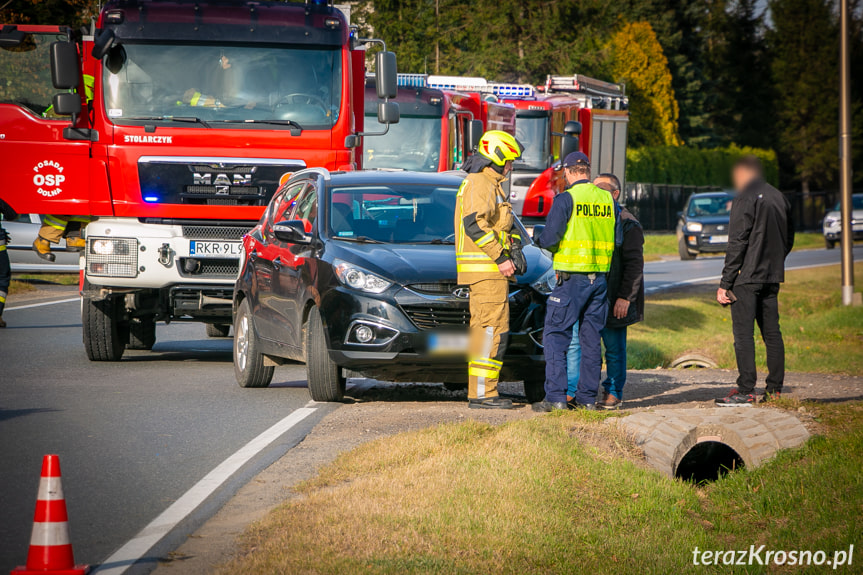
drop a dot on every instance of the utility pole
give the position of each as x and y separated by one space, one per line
437 37
845 156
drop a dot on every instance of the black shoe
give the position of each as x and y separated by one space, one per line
549 406
771 396
736 399
490 403
584 406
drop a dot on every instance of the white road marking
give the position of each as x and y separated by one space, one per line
138 546
56 301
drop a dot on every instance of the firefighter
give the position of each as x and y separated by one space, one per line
483 225
5 266
54 228
581 230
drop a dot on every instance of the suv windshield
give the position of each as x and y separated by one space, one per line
701 206
229 84
856 202
532 132
25 77
412 144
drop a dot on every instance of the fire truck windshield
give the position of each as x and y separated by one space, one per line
229 84
412 144
532 132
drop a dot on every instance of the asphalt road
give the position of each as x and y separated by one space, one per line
132 436
665 274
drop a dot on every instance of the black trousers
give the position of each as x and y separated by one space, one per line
5 272
757 304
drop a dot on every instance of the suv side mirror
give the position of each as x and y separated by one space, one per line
102 43
292 232
67 104
388 113
65 69
474 134
386 75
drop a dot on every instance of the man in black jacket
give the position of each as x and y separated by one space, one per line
761 234
5 268
625 304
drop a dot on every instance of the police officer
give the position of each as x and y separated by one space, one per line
5 267
483 226
581 231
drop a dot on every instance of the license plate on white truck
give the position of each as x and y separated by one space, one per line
208 249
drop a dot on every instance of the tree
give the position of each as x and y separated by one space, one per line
805 68
72 13
638 60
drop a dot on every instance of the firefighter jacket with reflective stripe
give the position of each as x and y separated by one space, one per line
483 221
588 243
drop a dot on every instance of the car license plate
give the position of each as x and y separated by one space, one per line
448 343
208 249
718 239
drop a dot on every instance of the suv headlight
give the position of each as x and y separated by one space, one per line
358 278
546 284
694 227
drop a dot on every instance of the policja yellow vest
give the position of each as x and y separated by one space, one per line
588 244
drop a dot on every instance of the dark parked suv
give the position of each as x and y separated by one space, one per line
702 226
356 271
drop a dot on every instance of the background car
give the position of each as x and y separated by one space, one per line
356 271
702 226
23 232
832 224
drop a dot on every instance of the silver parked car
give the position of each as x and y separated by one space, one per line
832 224
22 234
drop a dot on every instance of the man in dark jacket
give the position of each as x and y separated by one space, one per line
761 234
625 301
5 268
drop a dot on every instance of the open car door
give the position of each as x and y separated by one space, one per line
43 171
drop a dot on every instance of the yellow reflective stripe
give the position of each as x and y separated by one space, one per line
2 299
471 268
3 248
485 239
195 98
487 362
567 259
55 223
472 256
483 372
586 244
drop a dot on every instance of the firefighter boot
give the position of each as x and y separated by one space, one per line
43 248
75 243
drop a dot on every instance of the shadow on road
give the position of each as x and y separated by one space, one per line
220 351
6 414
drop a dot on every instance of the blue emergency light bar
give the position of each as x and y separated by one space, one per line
467 84
411 80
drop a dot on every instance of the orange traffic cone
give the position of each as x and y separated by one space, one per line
50 549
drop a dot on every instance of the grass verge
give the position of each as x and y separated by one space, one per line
820 335
543 496
664 246
23 283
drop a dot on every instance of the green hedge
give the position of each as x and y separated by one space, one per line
684 166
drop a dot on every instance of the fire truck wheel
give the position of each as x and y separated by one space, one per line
104 337
326 382
142 333
683 250
218 329
534 390
249 368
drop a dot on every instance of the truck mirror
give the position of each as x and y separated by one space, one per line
388 113
102 43
65 71
568 144
474 133
386 75
11 36
352 141
572 128
67 104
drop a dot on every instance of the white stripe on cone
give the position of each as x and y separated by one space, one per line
50 489
51 533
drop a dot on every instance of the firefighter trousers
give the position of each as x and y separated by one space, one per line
489 326
54 228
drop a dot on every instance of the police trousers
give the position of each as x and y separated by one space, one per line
580 299
489 327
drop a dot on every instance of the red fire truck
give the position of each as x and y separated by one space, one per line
438 127
185 118
599 130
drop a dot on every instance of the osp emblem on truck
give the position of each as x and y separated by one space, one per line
48 178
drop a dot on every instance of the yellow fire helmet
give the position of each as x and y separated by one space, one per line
499 147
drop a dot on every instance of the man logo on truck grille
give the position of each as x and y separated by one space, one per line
48 178
221 180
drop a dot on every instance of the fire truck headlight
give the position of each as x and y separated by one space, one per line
109 247
112 257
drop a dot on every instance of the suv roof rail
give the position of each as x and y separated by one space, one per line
323 172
